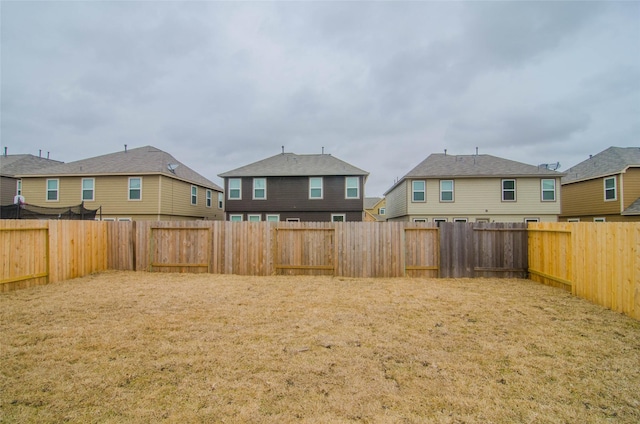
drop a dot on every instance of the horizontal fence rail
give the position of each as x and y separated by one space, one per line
597 261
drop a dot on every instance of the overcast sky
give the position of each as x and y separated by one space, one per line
380 85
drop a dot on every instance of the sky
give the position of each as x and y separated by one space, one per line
380 85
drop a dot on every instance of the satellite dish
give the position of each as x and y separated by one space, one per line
550 166
172 167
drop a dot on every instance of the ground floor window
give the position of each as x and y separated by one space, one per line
293 219
235 218
532 220
338 217
599 219
460 219
273 218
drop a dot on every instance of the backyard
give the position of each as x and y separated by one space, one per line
144 347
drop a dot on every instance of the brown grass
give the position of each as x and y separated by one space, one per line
140 347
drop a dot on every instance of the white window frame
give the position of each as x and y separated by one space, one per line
254 218
255 180
614 188
273 218
414 191
543 190
124 219
312 187
339 215
600 219
234 189
235 218
55 190
109 219
19 188
420 220
460 219
194 195
220 200
573 220
137 189
483 220
509 190
527 220
438 220
452 191
208 198
93 189
347 187
382 211
293 219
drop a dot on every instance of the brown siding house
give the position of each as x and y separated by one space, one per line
290 187
605 187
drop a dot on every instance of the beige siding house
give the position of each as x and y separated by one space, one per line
475 188
605 187
137 184
12 165
375 209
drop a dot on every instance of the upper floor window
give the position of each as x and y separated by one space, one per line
610 192
418 191
446 190
315 187
548 190
352 187
194 195
220 196
209 200
88 185
52 190
508 190
135 188
381 211
259 188
19 188
235 189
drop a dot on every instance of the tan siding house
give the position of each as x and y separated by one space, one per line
137 184
12 165
475 188
605 187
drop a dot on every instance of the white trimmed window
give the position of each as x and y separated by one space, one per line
273 218
253 218
338 217
508 190
419 219
460 220
235 218
418 191
315 187
548 190
610 191
293 219
532 220
573 220
19 188
52 190
259 188
235 189
381 211
88 189
352 189
209 200
194 195
135 188
446 191
220 198
599 219
439 220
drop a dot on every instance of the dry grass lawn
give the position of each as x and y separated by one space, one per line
141 347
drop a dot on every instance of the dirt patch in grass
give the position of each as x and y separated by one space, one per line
141 347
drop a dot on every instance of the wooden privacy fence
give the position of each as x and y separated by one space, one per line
38 252
599 262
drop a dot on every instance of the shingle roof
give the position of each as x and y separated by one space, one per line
633 209
143 160
370 202
11 165
443 166
610 161
290 164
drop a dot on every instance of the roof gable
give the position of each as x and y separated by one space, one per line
290 164
142 160
613 160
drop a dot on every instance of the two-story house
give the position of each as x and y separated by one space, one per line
475 188
605 187
12 165
374 209
134 184
291 187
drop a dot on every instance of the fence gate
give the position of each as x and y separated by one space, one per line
180 249
422 252
305 251
24 257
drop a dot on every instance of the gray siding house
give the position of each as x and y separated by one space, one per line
291 187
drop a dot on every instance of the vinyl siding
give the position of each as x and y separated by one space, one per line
397 201
176 200
587 198
483 197
7 190
631 186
